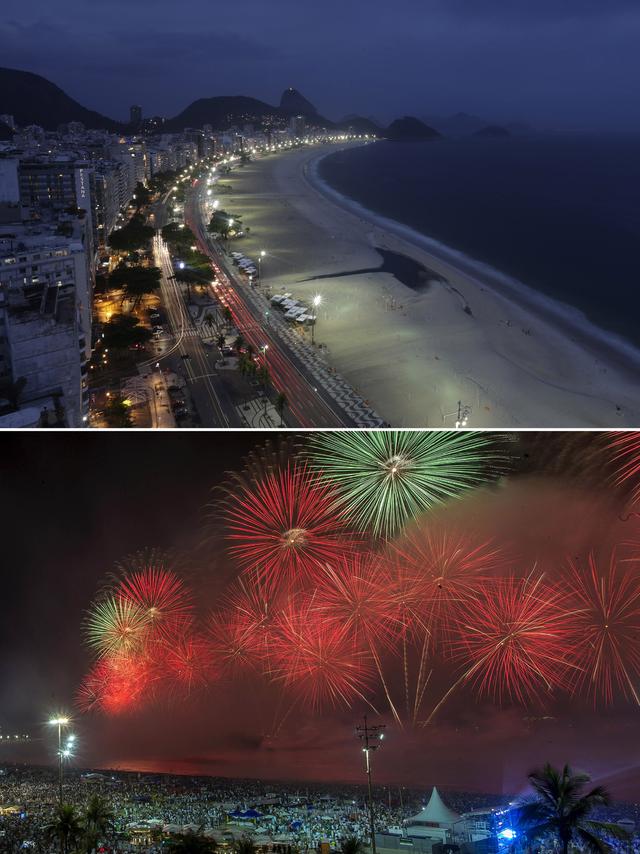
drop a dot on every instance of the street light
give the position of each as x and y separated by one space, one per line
260 257
316 302
60 721
463 415
370 735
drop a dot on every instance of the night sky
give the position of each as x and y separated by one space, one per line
567 64
73 505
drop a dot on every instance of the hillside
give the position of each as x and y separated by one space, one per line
32 99
409 128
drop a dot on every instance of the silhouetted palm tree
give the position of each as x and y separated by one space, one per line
98 822
245 845
352 845
66 828
560 808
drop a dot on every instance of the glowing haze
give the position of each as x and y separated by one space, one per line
497 627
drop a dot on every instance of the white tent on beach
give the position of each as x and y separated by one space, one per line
435 820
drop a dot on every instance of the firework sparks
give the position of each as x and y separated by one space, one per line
186 663
284 527
161 596
115 685
513 639
117 626
385 478
606 641
625 448
319 660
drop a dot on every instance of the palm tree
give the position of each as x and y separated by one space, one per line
65 828
560 807
192 843
98 822
352 845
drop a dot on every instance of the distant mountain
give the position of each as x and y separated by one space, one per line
34 100
493 131
222 111
460 124
359 124
464 124
410 128
6 133
225 110
294 104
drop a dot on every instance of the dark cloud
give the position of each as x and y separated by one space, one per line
571 64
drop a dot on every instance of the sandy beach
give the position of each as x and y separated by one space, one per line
512 359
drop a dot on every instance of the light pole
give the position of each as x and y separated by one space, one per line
370 735
264 349
316 303
463 415
260 257
59 722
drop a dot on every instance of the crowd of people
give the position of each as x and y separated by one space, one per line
276 816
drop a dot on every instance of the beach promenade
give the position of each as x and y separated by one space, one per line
467 341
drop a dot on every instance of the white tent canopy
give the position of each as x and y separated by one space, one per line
435 812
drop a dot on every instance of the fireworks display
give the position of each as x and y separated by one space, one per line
606 640
350 588
513 639
284 526
385 478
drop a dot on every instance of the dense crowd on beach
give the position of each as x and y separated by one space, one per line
280 815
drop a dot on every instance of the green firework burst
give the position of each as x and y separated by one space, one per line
116 625
384 478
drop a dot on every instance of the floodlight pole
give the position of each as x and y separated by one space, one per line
370 735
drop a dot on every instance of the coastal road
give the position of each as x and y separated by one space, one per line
188 355
309 403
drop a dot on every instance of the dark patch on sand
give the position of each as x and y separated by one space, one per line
406 270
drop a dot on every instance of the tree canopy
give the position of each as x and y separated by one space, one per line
123 331
134 235
561 807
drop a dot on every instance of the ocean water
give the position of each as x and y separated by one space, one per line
559 213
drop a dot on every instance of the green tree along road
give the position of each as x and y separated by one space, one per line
135 281
117 413
124 331
134 235
560 809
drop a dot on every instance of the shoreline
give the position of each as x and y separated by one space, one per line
523 295
515 358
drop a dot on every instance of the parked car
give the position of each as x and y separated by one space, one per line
293 313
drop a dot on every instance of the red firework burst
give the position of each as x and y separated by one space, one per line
284 527
241 633
606 640
319 660
162 596
116 684
187 664
625 449
447 569
354 593
513 637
